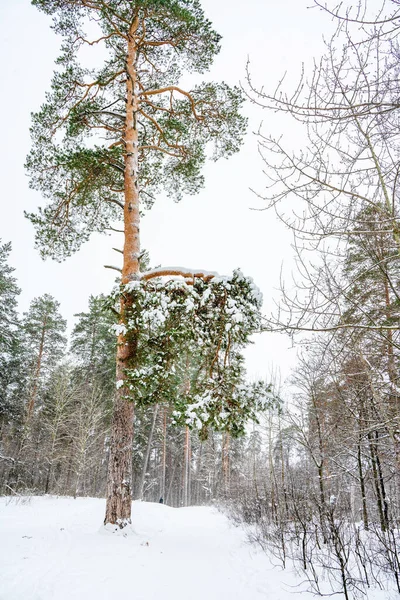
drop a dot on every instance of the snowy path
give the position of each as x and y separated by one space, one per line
54 549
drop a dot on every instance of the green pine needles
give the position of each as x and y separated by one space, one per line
189 342
79 134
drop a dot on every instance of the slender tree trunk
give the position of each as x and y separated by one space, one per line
33 394
47 486
164 454
119 481
50 461
362 484
274 513
376 481
254 468
199 499
186 468
147 454
170 487
283 474
381 481
225 462
69 468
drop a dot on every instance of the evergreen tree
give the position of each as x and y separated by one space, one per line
11 373
157 135
93 344
44 341
371 270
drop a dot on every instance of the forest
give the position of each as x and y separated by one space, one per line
148 397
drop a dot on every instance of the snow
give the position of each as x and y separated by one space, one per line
183 271
119 329
56 549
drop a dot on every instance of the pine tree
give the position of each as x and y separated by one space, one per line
93 344
157 135
44 341
11 372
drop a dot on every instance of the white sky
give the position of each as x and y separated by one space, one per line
214 230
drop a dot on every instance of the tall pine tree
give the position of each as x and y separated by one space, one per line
44 342
156 137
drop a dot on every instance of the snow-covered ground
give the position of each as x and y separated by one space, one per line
55 549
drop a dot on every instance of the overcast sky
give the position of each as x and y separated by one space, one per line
216 229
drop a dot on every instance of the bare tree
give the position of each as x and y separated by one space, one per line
343 185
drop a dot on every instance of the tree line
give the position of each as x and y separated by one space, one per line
105 142
56 405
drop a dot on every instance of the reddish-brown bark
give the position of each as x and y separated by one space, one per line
119 482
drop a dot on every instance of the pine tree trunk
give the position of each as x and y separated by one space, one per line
33 394
186 468
198 474
169 495
147 454
119 479
164 454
